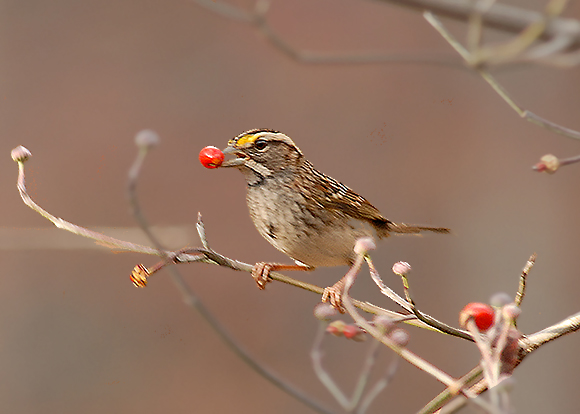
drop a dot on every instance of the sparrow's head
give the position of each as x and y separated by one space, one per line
262 153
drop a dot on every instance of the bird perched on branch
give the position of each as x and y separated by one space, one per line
307 215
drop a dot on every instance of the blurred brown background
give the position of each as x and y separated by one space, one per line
424 143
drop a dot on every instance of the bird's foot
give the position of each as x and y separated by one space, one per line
261 271
261 274
333 295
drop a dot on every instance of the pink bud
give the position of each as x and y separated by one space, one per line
336 328
324 311
147 138
384 323
400 337
500 299
354 332
401 268
511 312
20 154
363 245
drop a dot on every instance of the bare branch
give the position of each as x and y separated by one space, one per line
257 19
523 278
510 19
550 163
524 113
423 317
385 339
565 327
349 404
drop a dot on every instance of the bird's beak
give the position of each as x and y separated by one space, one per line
234 162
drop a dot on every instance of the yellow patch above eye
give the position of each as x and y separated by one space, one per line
246 139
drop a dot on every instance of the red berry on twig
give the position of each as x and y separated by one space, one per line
482 314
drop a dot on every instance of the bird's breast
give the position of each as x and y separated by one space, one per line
301 229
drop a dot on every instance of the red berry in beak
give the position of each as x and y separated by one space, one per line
211 157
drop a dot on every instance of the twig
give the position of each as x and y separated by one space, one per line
348 404
380 336
65 225
429 320
521 293
323 376
257 19
523 43
534 341
510 19
524 113
451 392
571 160
379 386
201 231
550 163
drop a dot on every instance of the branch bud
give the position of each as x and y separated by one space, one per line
511 312
548 163
400 337
363 245
324 311
401 268
500 299
355 333
147 139
336 328
139 276
20 154
384 323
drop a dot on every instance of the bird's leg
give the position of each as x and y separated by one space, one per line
261 271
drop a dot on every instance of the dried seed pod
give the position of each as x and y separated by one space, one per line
139 276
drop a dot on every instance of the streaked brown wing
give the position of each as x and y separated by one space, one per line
331 194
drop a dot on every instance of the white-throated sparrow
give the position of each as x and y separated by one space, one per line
307 215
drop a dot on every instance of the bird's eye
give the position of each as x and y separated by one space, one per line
261 144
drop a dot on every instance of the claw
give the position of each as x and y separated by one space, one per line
261 271
261 274
333 295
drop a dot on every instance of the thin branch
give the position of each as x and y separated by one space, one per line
380 385
429 320
503 17
526 345
524 113
257 19
522 46
323 376
385 339
549 163
521 293
81 231
565 327
451 392
201 231
348 404
363 378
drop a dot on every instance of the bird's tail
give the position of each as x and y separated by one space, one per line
383 228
